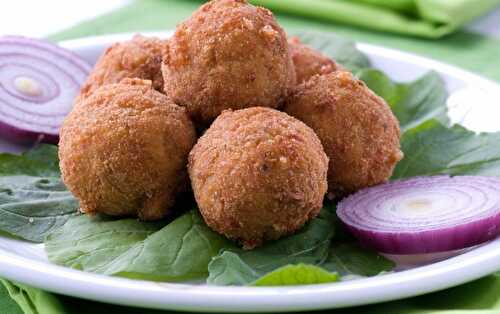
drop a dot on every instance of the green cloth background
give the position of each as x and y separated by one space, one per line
425 18
466 49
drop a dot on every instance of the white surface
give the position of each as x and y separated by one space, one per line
39 18
488 24
27 263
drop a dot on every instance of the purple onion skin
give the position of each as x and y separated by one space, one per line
455 237
429 241
20 136
45 63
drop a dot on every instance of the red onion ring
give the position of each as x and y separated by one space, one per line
424 214
38 82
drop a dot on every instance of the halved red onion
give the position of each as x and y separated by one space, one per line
38 82
424 214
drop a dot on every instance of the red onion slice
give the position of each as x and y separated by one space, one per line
424 214
38 82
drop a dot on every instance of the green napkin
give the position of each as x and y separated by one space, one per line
7 303
433 17
425 18
17 298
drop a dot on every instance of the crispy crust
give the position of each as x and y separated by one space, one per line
358 131
123 152
258 174
139 57
309 62
227 55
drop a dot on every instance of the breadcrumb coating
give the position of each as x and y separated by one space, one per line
123 152
357 128
139 57
309 62
227 55
258 174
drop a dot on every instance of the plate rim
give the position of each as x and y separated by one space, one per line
176 296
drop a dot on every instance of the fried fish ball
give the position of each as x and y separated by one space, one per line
258 174
227 55
309 62
357 128
139 57
124 151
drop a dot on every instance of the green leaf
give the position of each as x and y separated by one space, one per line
341 50
89 243
178 251
31 207
309 246
33 199
413 102
229 269
41 161
433 148
292 275
349 259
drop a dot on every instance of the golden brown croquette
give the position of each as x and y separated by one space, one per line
358 131
227 55
123 152
309 62
258 174
139 57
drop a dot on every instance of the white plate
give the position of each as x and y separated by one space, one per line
28 264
